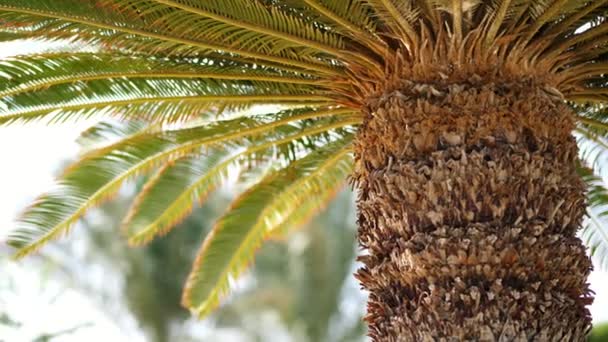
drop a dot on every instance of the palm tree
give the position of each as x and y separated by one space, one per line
453 119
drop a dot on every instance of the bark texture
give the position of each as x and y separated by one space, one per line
469 203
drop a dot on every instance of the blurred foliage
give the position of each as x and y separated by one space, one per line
301 279
152 276
56 335
304 279
599 333
10 289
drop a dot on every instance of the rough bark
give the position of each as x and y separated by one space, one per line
469 203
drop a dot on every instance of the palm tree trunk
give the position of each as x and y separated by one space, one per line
469 203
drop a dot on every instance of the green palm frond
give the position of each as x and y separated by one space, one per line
595 233
7 36
255 17
150 26
592 131
170 194
175 77
594 153
400 17
101 173
253 216
316 201
105 133
352 18
34 72
294 123
159 100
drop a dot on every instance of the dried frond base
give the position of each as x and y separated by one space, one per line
469 203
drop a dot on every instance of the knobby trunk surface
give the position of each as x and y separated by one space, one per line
469 203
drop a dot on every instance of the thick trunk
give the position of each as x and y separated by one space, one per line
469 203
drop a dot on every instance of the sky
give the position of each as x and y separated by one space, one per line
30 157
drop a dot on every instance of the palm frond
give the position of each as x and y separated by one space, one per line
352 18
498 15
592 130
316 202
594 153
23 74
398 17
266 20
105 133
594 149
547 11
170 194
595 233
156 100
577 19
249 129
101 173
98 23
230 246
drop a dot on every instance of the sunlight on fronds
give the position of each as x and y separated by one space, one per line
99 174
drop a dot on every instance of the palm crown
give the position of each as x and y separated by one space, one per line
183 73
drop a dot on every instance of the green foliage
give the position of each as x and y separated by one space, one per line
599 333
182 73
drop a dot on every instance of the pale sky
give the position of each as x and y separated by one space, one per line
30 155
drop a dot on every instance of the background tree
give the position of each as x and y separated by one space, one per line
599 333
464 156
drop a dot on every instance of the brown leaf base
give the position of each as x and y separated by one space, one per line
469 203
